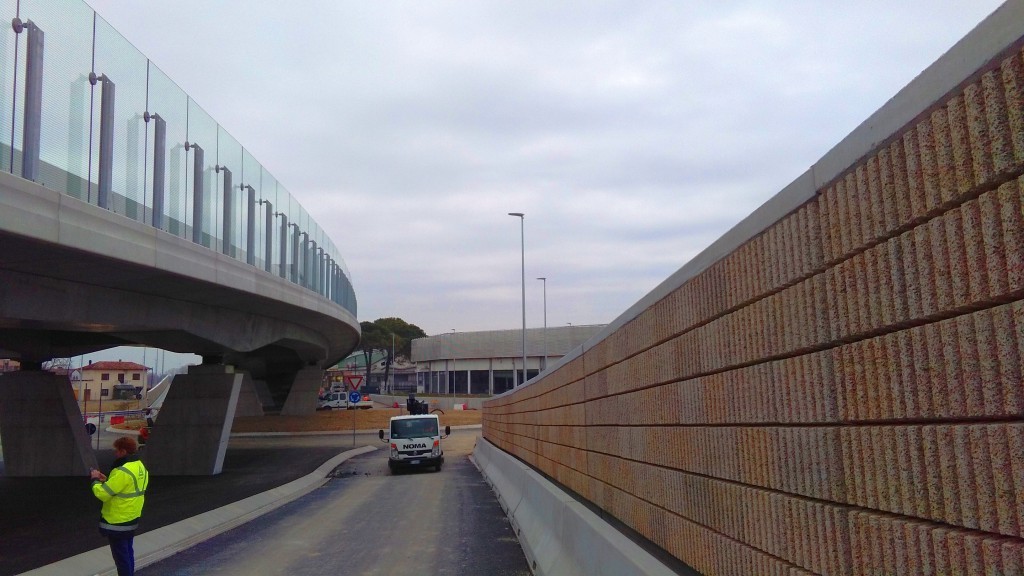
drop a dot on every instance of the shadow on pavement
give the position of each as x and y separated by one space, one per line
48 519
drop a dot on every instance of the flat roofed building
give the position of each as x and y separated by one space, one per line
491 362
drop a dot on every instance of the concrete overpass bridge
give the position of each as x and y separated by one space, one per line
129 216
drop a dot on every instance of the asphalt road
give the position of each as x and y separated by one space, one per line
366 521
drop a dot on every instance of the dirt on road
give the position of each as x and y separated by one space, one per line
341 420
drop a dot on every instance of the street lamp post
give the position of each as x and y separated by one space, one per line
522 247
545 281
452 342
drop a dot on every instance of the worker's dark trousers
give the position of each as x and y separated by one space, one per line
124 554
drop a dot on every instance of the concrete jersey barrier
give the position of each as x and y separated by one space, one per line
559 535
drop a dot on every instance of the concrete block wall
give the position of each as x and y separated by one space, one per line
841 393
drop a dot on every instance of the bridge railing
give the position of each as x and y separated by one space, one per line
83 112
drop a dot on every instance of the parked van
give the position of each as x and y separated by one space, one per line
415 441
340 401
333 401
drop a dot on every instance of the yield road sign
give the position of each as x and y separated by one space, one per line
354 381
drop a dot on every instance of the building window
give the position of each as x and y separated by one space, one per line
136 376
104 377
104 392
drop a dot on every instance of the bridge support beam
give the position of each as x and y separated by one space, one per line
41 427
305 389
191 435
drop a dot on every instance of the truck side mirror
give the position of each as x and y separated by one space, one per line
447 430
380 434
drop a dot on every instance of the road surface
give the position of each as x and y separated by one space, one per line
365 521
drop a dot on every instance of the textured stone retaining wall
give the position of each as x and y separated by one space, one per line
841 393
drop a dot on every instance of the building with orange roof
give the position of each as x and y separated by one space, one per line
97 380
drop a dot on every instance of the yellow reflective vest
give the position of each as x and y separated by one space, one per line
123 495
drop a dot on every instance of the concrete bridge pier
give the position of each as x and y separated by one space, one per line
305 388
191 434
41 426
250 400
264 395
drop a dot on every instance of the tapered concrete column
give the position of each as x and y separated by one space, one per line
305 389
263 391
249 403
41 427
191 434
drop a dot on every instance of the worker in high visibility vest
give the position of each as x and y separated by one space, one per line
123 492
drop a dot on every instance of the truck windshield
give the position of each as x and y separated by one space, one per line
415 428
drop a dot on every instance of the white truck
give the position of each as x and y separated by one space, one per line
340 401
415 441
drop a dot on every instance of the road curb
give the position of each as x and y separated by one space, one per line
155 545
559 535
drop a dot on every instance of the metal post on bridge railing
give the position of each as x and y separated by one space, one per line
106 155
250 224
311 267
314 264
33 107
295 252
228 219
307 245
269 227
159 165
320 269
323 272
268 264
303 275
332 279
197 191
318 257
284 244
329 274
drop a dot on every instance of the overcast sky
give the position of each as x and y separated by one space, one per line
632 134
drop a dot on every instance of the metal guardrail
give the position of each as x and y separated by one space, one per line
102 416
